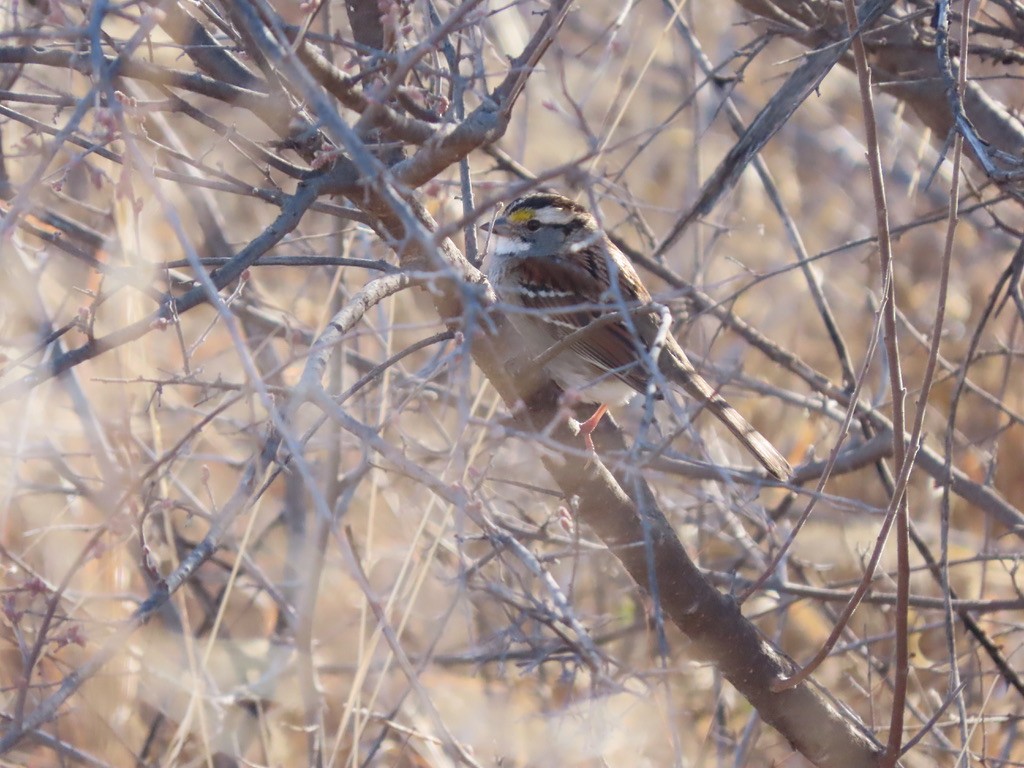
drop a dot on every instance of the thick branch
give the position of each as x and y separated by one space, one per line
903 64
712 621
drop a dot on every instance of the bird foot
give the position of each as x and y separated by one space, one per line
587 427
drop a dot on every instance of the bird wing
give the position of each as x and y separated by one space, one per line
568 295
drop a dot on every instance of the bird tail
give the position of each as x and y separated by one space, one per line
760 448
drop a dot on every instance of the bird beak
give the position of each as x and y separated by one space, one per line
500 227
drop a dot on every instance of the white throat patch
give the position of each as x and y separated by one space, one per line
507 246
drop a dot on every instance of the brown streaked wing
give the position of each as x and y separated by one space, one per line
564 294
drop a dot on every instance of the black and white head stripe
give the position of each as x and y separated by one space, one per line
547 208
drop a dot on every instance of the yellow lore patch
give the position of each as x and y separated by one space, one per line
521 216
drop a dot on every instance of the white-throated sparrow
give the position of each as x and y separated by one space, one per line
559 273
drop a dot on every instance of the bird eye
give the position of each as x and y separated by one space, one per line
533 225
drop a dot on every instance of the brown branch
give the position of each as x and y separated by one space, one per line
775 114
902 453
275 113
637 532
216 60
904 64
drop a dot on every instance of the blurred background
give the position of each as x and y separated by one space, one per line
117 183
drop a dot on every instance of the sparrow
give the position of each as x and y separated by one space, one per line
566 284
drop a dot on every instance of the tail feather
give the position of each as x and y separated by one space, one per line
684 374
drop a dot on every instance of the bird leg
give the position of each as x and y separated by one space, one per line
587 427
